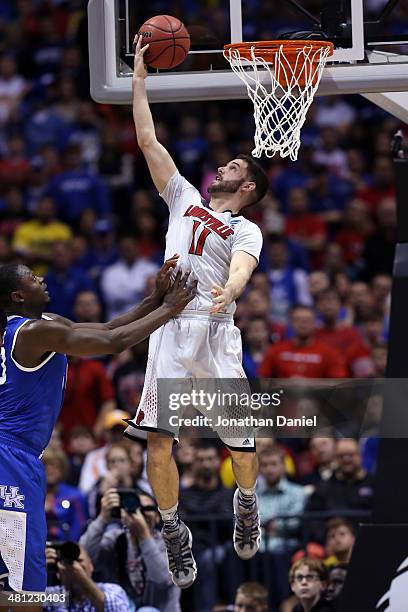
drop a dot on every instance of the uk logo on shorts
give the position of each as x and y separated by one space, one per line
12 498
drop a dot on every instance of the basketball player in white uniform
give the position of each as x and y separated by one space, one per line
221 248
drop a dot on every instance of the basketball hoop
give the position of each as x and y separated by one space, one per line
283 79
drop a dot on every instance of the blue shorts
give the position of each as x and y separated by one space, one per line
23 529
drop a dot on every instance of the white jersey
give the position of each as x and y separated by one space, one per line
205 239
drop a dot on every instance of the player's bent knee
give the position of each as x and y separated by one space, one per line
159 448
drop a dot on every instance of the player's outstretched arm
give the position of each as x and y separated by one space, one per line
159 160
37 338
241 268
150 303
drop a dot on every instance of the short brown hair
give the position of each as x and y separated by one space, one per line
338 521
314 565
257 174
254 591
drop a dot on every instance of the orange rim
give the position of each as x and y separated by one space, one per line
267 49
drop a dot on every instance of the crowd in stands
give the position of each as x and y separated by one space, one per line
77 205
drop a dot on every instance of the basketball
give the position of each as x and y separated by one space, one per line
168 39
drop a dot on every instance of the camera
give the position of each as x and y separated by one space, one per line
129 501
68 552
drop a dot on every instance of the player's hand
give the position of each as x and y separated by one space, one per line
221 299
180 293
110 499
139 67
136 523
163 278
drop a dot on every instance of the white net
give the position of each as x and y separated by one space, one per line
281 90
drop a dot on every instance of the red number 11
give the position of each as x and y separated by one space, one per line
198 248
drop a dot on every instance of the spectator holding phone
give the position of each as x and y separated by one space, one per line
126 547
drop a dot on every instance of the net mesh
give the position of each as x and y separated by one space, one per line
281 83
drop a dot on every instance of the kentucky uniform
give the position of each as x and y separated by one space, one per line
195 344
30 402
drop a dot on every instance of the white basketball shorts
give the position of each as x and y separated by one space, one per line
193 347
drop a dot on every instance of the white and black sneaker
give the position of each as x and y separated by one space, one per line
182 566
247 529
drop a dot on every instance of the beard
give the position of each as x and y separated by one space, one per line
225 186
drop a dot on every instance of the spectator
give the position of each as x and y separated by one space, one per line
380 359
12 87
184 456
381 185
123 284
362 302
323 451
278 498
81 592
34 239
345 339
318 282
95 462
304 355
308 579
103 251
76 189
64 504
288 286
256 340
87 307
89 395
124 467
65 281
329 153
355 229
251 596
303 226
381 292
128 375
379 249
130 551
350 488
81 441
335 581
12 212
210 544
15 166
340 539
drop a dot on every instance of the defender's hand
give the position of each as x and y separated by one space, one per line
163 278
221 299
180 293
139 67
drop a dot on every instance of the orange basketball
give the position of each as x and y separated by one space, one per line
168 39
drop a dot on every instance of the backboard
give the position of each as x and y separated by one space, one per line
370 39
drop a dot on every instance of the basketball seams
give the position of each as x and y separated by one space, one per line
170 41
157 40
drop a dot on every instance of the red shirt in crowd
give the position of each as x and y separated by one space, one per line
88 387
348 341
305 226
288 359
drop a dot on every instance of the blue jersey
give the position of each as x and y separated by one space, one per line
30 398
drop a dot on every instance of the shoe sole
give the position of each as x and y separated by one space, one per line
252 552
191 581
